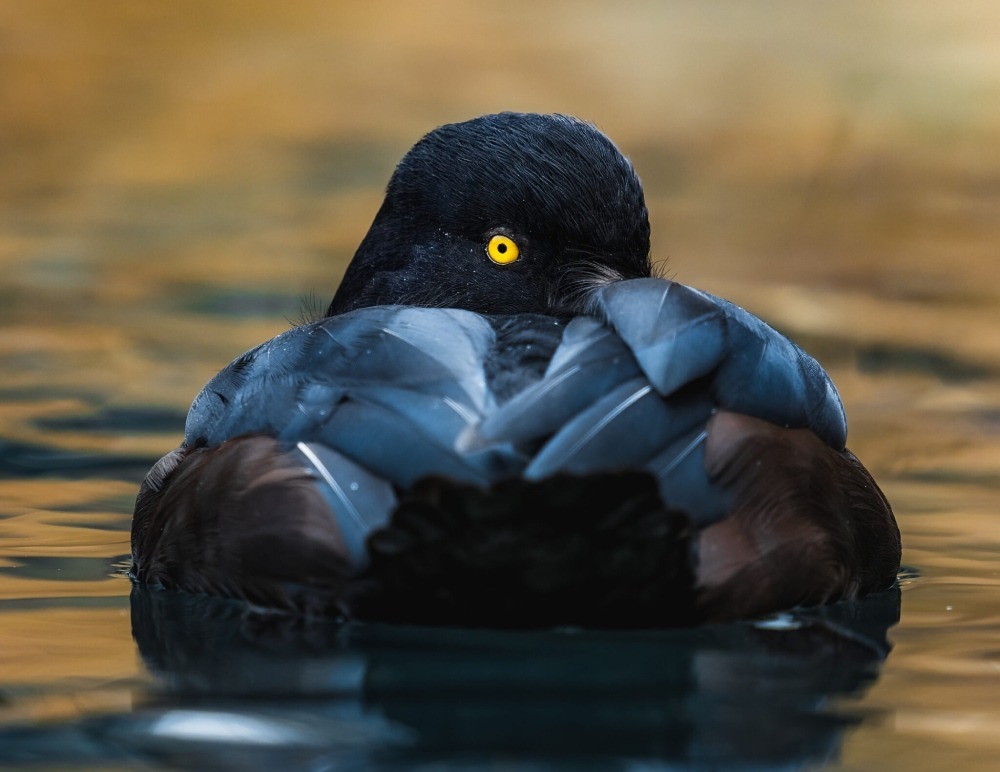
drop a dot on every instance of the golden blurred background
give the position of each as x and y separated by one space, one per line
176 176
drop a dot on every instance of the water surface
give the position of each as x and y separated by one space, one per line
180 180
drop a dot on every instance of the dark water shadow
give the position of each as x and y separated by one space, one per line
32 460
144 419
242 690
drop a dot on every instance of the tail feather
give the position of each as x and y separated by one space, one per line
600 550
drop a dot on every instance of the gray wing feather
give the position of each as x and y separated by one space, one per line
589 362
289 384
433 351
378 439
675 334
767 376
680 471
621 430
402 393
361 501
679 335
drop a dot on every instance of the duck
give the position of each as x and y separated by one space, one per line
506 419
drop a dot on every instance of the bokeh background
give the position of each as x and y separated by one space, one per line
178 180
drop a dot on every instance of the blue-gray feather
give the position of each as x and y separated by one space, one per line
679 334
410 392
589 362
361 501
679 470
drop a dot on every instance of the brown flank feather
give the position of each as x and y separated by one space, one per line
808 524
241 520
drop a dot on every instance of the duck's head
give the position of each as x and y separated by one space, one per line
502 214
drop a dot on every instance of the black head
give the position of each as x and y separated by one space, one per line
550 191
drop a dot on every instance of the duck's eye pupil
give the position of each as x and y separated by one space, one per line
502 250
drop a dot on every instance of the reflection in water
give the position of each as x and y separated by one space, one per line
236 689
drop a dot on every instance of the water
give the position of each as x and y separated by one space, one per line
177 179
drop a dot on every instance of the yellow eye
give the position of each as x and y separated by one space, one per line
502 250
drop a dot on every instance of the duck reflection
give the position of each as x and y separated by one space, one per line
390 696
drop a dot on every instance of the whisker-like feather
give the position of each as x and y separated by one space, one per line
577 287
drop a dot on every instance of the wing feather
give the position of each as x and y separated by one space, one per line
622 430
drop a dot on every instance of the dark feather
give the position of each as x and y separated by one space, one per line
243 520
807 524
596 550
